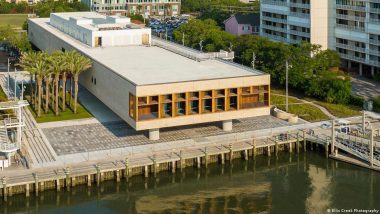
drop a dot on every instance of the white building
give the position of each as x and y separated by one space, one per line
160 84
351 27
96 30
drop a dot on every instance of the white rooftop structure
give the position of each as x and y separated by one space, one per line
95 30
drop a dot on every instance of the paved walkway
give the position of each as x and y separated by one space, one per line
364 87
323 109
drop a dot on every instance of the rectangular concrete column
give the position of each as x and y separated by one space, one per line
361 69
227 125
371 149
154 134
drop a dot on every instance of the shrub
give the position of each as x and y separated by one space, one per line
356 100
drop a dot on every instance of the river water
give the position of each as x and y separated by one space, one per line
305 183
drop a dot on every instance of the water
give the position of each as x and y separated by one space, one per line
308 183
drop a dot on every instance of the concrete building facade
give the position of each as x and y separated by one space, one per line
351 27
156 86
146 7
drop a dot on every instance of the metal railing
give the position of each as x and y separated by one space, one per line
350 27
272 19
273 2
275 28
350 7
275 37
299 5
191 53
350 47
8 147
350 17
300 15
300 33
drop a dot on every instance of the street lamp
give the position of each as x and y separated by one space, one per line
287 85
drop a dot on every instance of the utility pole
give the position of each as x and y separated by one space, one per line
15 84
9 65
287 87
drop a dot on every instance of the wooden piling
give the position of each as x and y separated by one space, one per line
36 184
231 152
222 159
146 172
298 143
57 185
89 180
117 172
246 155
5 193
268 151
173 167
304 141
27 190
198 162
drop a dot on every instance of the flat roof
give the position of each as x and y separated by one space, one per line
143 65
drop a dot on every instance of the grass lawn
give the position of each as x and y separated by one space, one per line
67 115
15 20
304 111
338 110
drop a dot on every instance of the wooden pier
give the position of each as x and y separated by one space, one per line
149 164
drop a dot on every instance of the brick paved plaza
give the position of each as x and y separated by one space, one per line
113 135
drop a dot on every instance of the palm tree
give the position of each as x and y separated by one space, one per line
81 64
26 62
57 65
48 80
40 67
69 58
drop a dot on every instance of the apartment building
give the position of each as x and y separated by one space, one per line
351 27
153 83
144 7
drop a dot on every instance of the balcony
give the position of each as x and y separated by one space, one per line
374 63
350 7
274 28
374 21
374 10
275 37
277 20
300 33
352 57
348 27
299 5
374 52
272 2
374 42
350 17
350 47
300 15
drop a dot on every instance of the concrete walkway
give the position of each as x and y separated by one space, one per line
323 109
364 87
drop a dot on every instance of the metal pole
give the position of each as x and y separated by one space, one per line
333 137
287 89
9 65
15 83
